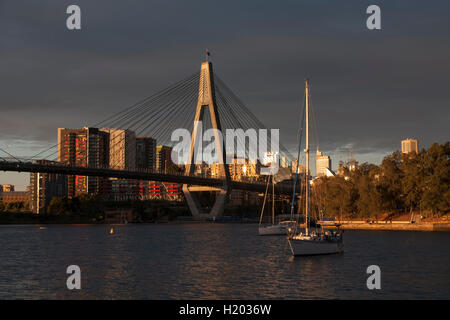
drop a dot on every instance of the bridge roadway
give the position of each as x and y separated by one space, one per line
285 189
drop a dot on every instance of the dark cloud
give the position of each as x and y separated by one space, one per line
370 88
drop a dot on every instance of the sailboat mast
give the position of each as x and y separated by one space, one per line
307 157
264 202
273 202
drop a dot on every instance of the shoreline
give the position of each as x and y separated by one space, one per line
394 226
425 227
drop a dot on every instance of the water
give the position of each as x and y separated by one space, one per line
215 261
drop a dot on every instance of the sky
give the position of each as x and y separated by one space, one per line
370 88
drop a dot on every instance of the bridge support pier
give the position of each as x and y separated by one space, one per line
207 99
196 209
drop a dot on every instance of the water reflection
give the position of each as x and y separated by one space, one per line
214 261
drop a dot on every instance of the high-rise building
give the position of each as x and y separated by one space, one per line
45 186
202 170
340 169
301 168
7 188
410 145
146 153
122 155
163 158
242 169
171 190
165 190
122 148
323 163
242 198
284 163
352 164
15 196
217 170
85 147
125 189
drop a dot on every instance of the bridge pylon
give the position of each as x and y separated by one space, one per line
207 99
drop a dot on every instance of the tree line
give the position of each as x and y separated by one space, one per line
401 183
18 206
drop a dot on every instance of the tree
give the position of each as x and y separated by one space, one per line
58 206
436 188
390 182
334 195
401 182
368 200
413 179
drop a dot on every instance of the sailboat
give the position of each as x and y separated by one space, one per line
273 229
311 242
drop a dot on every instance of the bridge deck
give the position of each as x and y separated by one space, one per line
137 175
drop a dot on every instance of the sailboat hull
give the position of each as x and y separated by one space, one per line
312 247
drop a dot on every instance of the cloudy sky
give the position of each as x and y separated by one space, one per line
370 88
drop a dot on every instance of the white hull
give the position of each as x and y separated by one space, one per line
300 247
272 230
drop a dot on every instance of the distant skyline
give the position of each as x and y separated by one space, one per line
370 89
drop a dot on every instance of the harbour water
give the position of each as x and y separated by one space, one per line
215 261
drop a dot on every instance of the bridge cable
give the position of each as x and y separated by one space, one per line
135 107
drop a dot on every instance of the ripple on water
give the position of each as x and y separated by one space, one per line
215 261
